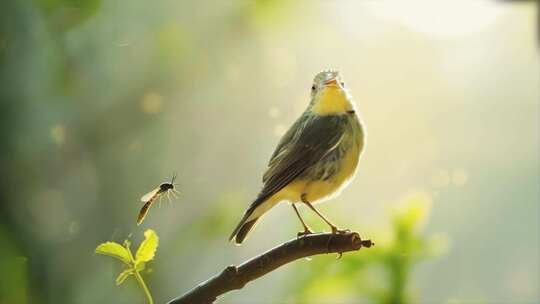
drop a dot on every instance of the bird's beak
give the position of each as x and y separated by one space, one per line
332 82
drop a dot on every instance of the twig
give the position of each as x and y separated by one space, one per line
236 277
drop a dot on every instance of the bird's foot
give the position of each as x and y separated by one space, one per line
306 232
336 230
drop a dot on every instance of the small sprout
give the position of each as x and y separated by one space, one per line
114 250
134 265
148 247
123 276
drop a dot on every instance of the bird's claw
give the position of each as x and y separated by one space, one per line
336 230
306 232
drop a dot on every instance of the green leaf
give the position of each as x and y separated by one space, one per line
114 250
141 266
148 247
123 276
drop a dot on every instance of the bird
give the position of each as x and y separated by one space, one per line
315 159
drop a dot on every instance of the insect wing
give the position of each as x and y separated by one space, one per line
150 195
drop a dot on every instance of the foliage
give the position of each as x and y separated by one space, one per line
381 274
14 266
134 265
64 15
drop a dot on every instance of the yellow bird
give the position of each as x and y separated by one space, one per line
315 159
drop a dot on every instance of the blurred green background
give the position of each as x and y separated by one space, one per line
103 100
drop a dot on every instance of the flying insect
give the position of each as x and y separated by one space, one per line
151 197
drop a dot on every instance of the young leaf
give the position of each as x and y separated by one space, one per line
123 276
127 243
114 250
148 247
140 266
144 254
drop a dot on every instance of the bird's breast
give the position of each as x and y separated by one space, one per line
334 172
330 175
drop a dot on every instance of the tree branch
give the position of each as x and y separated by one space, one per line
236 277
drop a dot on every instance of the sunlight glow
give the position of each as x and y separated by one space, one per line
58 134
279 130
440 179
151 103
460 177
440 18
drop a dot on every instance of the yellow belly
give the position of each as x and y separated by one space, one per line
317 191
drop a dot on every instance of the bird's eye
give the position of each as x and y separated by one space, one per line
343 84
313 87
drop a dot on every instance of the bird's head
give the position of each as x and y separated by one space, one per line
329 96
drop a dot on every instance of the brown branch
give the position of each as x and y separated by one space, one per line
236 277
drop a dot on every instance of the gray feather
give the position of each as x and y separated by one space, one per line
311 138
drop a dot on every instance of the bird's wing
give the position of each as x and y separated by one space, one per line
319 136
286 140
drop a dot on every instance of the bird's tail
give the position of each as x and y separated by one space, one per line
241 231
251 216
255 211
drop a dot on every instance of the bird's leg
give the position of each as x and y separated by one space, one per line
306 228
332 226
